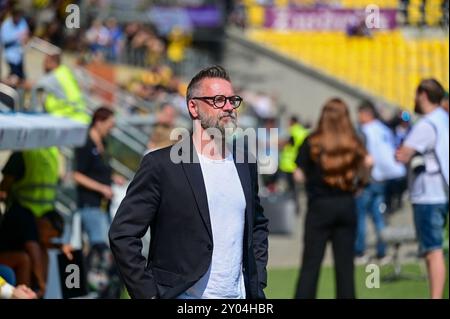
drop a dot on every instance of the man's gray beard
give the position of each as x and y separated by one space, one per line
226 130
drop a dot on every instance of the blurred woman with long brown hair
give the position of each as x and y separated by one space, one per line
334 163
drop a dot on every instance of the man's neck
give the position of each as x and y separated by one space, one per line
429 108
206 145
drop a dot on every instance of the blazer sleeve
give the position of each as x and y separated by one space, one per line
130 223
260 234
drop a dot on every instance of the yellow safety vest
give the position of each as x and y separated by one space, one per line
37 189
289 153
73 105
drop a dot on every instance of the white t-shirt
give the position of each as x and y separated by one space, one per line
226 201
429 187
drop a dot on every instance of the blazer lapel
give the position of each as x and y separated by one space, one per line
194 175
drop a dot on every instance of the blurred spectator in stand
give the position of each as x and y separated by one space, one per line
63 94
155 50
238 16
138 47
358 27
130 32
176 49
14 35
334 163
165 122
98 38
115 45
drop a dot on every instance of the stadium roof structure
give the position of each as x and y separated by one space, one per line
20 131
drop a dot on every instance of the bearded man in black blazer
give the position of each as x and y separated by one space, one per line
200 199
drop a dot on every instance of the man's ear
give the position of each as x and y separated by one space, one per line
192 108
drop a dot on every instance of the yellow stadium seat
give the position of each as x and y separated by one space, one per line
281 3
414 14
387 65
255 15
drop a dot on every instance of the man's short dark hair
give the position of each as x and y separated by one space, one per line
369 107
211 72
433 89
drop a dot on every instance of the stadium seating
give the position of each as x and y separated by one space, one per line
419 12
365 3
387 64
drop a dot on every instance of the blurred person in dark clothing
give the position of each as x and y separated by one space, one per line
94 177
334 164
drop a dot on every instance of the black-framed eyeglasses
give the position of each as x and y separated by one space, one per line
219 101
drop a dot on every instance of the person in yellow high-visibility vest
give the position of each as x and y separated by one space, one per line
63 94
289 152
30 222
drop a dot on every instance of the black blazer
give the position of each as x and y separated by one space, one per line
171 199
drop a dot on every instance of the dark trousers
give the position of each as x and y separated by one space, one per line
329 219
17 69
